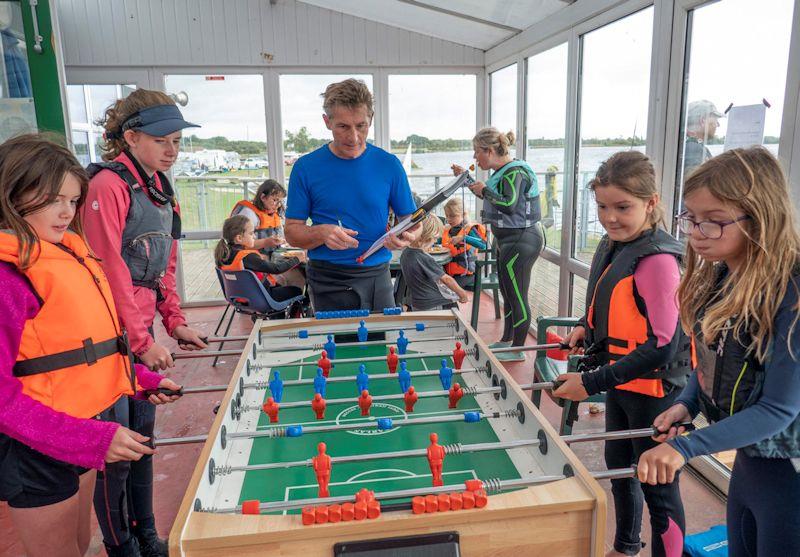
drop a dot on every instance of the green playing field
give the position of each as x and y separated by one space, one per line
378 475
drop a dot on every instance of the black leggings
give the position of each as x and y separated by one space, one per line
518 249
763 509
627 410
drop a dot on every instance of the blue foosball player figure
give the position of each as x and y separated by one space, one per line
276 386
320 382
362 332
445 375
330 348
362 379
402 343
404 376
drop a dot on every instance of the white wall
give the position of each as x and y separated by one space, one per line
240 33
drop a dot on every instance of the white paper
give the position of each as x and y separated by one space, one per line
745 126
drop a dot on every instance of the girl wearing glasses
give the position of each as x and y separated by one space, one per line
739 298
636 351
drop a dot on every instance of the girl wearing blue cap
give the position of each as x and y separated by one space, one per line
132 222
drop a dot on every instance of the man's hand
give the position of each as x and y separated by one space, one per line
399 242
336 237
188 338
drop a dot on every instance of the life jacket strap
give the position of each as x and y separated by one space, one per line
88 354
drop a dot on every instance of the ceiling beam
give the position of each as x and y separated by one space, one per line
419 4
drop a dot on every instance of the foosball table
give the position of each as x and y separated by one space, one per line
383 435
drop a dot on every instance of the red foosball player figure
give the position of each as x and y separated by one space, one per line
455 395
322 468
458 356
364 402
318 405
410 398
391 360
270 408
436 459
325 363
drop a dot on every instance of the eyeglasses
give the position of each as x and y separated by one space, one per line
711 229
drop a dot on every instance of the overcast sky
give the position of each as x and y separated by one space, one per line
739 54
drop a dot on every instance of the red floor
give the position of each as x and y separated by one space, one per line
192 416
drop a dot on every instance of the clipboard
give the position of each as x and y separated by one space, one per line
462 180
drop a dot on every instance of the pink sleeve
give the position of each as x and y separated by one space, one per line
77 441
104 214
170 306
656 278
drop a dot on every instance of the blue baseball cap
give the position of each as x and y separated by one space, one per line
158 121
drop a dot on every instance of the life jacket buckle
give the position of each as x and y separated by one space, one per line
89 352
122 343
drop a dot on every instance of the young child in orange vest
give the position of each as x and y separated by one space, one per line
236 252
463 239
56 304
265 214
636 351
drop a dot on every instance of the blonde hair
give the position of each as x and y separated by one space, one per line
455 207
750 180
350 93
232 227
32 172
633 173
116 114
432 228
492 138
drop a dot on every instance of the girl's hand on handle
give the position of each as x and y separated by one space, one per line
157 357
575 340
188 338
162 398
127 445
665 422
659 465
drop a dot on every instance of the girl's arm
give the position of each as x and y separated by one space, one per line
656 278
475 240
77 441
778 405
254 262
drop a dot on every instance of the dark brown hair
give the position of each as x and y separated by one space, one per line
232 227
268 188
32 171
633 173
117 113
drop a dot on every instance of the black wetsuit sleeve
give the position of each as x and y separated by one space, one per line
511 186
253 262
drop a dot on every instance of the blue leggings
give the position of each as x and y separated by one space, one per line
763 508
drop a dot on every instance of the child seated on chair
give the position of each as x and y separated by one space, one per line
430 287
236 252
463 239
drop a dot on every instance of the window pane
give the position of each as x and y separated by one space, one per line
77 104
17 111
197 265
579 286
80 144
101 97
230 145
503 101
754 37
615 84
431 136
546 122
301 113
543 293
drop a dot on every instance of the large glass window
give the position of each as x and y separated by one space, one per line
578 300
431 136
87 107
737 56
503 101
17 112
546 113
614 94
301 113
543 292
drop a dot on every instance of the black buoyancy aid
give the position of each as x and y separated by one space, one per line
617 317
151 226
463 254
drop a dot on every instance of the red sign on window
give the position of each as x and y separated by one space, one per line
215 78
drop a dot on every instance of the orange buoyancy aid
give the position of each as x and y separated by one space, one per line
73 355
237 264
616 316
268 225
463 254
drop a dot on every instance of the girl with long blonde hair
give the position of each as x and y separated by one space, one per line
739 298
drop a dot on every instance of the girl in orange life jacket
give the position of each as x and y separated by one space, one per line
739 298
463 240
132 222
236 252
62 356
265 214
636 350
